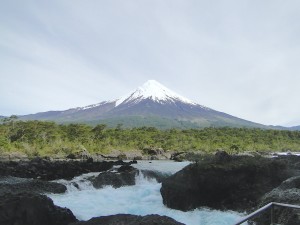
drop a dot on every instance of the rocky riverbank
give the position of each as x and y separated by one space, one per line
52 170
233 183
24 183
219 182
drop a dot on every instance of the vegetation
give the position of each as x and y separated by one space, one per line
48 138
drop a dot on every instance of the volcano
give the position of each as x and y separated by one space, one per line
151 104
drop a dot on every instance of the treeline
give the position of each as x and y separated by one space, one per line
48 138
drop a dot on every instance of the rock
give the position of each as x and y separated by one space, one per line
98 157
82 154
138 158
133 162
122 163
51 170
125 177
235 184
153 151
133 155
156 153
293 182
90 160
114 154
18 185
248 153
13 156
178 156
222 156
158 176
122 157
126 168
126 219
288 192
32 209
71 156
188 156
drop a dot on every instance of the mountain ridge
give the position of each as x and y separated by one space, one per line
151 103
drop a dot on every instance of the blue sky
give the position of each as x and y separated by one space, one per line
239 57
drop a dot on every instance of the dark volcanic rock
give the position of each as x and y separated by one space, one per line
51 170
126 168
158 176
115 179
235 184
288 192
126 219
32 209
18 185
222 156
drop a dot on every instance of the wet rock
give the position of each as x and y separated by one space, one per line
126 219
32 209
116 179
19 185
158 176
126 168
235 184
122 163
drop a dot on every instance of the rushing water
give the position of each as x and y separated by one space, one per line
141 199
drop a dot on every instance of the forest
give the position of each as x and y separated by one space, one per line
40 138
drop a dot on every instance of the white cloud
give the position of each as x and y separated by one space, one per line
237 57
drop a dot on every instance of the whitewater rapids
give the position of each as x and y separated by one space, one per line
141 199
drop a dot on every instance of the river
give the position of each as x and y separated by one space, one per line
141 199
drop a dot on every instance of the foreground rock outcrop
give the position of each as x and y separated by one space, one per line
18 185
32 209
224 182
126 219
124 176
51 170
289 193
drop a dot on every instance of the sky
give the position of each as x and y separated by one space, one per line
239 57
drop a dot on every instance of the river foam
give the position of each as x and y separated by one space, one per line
141 199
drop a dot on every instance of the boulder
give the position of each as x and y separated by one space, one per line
18 185
222 156
126 168
158 176
32 209
127 219
289 193
224 182
125 177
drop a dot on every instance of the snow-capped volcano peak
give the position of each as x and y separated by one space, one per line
155 91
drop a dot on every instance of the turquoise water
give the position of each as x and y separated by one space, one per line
141 199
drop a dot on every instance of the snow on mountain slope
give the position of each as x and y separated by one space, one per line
94 105
154 91
152 104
